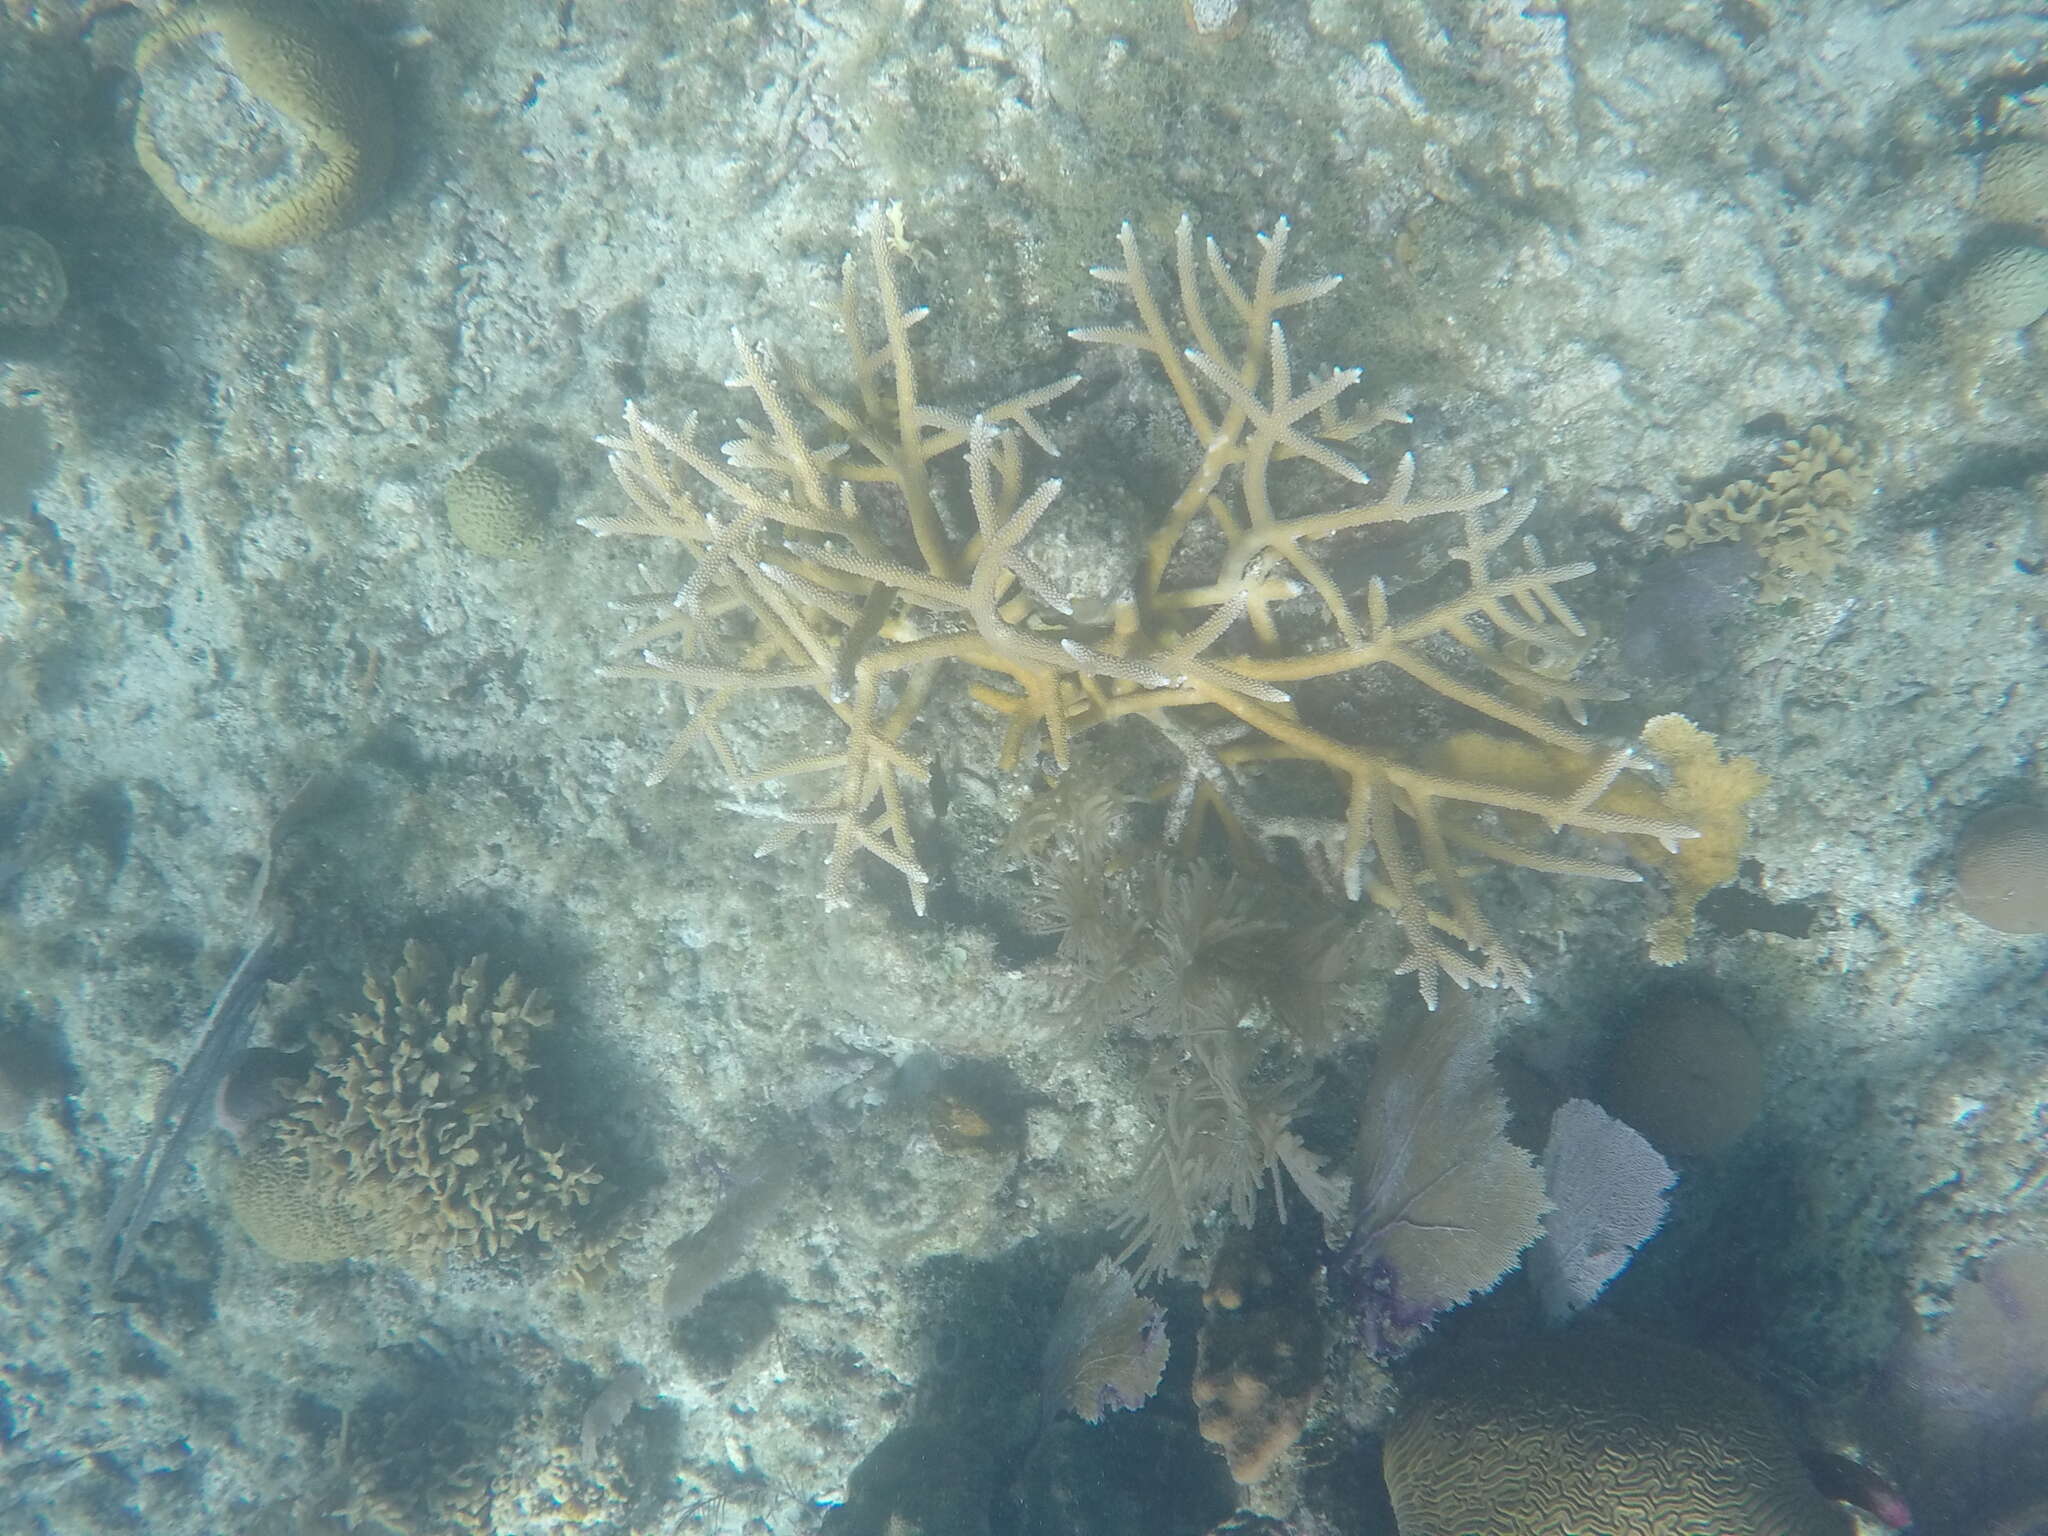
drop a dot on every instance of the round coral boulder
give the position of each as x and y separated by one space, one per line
497 506
1686 1073
1596 1431
2002 868
32 285
264 126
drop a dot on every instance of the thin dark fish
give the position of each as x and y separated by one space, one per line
187 1105
228 1026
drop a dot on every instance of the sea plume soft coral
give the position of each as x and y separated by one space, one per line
823 566
1189 960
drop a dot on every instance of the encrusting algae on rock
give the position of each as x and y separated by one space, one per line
1710 791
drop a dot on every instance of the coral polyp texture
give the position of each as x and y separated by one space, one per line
1596 1430
855 549
1799 519
416 1134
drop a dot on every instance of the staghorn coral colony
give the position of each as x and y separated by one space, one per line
847 556
848 550
1295 702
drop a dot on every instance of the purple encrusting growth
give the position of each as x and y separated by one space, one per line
1848 1481
1150 1364
1668 627
1386 1321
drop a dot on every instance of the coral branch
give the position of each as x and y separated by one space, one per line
825 567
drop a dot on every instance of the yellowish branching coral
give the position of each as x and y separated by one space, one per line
1713 792
415 1133
850 549
1799 518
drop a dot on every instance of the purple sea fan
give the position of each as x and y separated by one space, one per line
1444 1203
1107 1349
1608 1188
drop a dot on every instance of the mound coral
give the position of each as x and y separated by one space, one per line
2013 188
263 125
2002 868
1259 1356
1967 1394
415 1134
1596 1432
1685 1071
32 283
849 550
497 506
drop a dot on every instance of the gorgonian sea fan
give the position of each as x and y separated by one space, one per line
1443 1202
1107 1349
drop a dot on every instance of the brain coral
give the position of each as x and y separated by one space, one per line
289 1213
2006 291
263 125
497 507
2014 189
2002 869
1596 1431
1685 1072
418 1118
